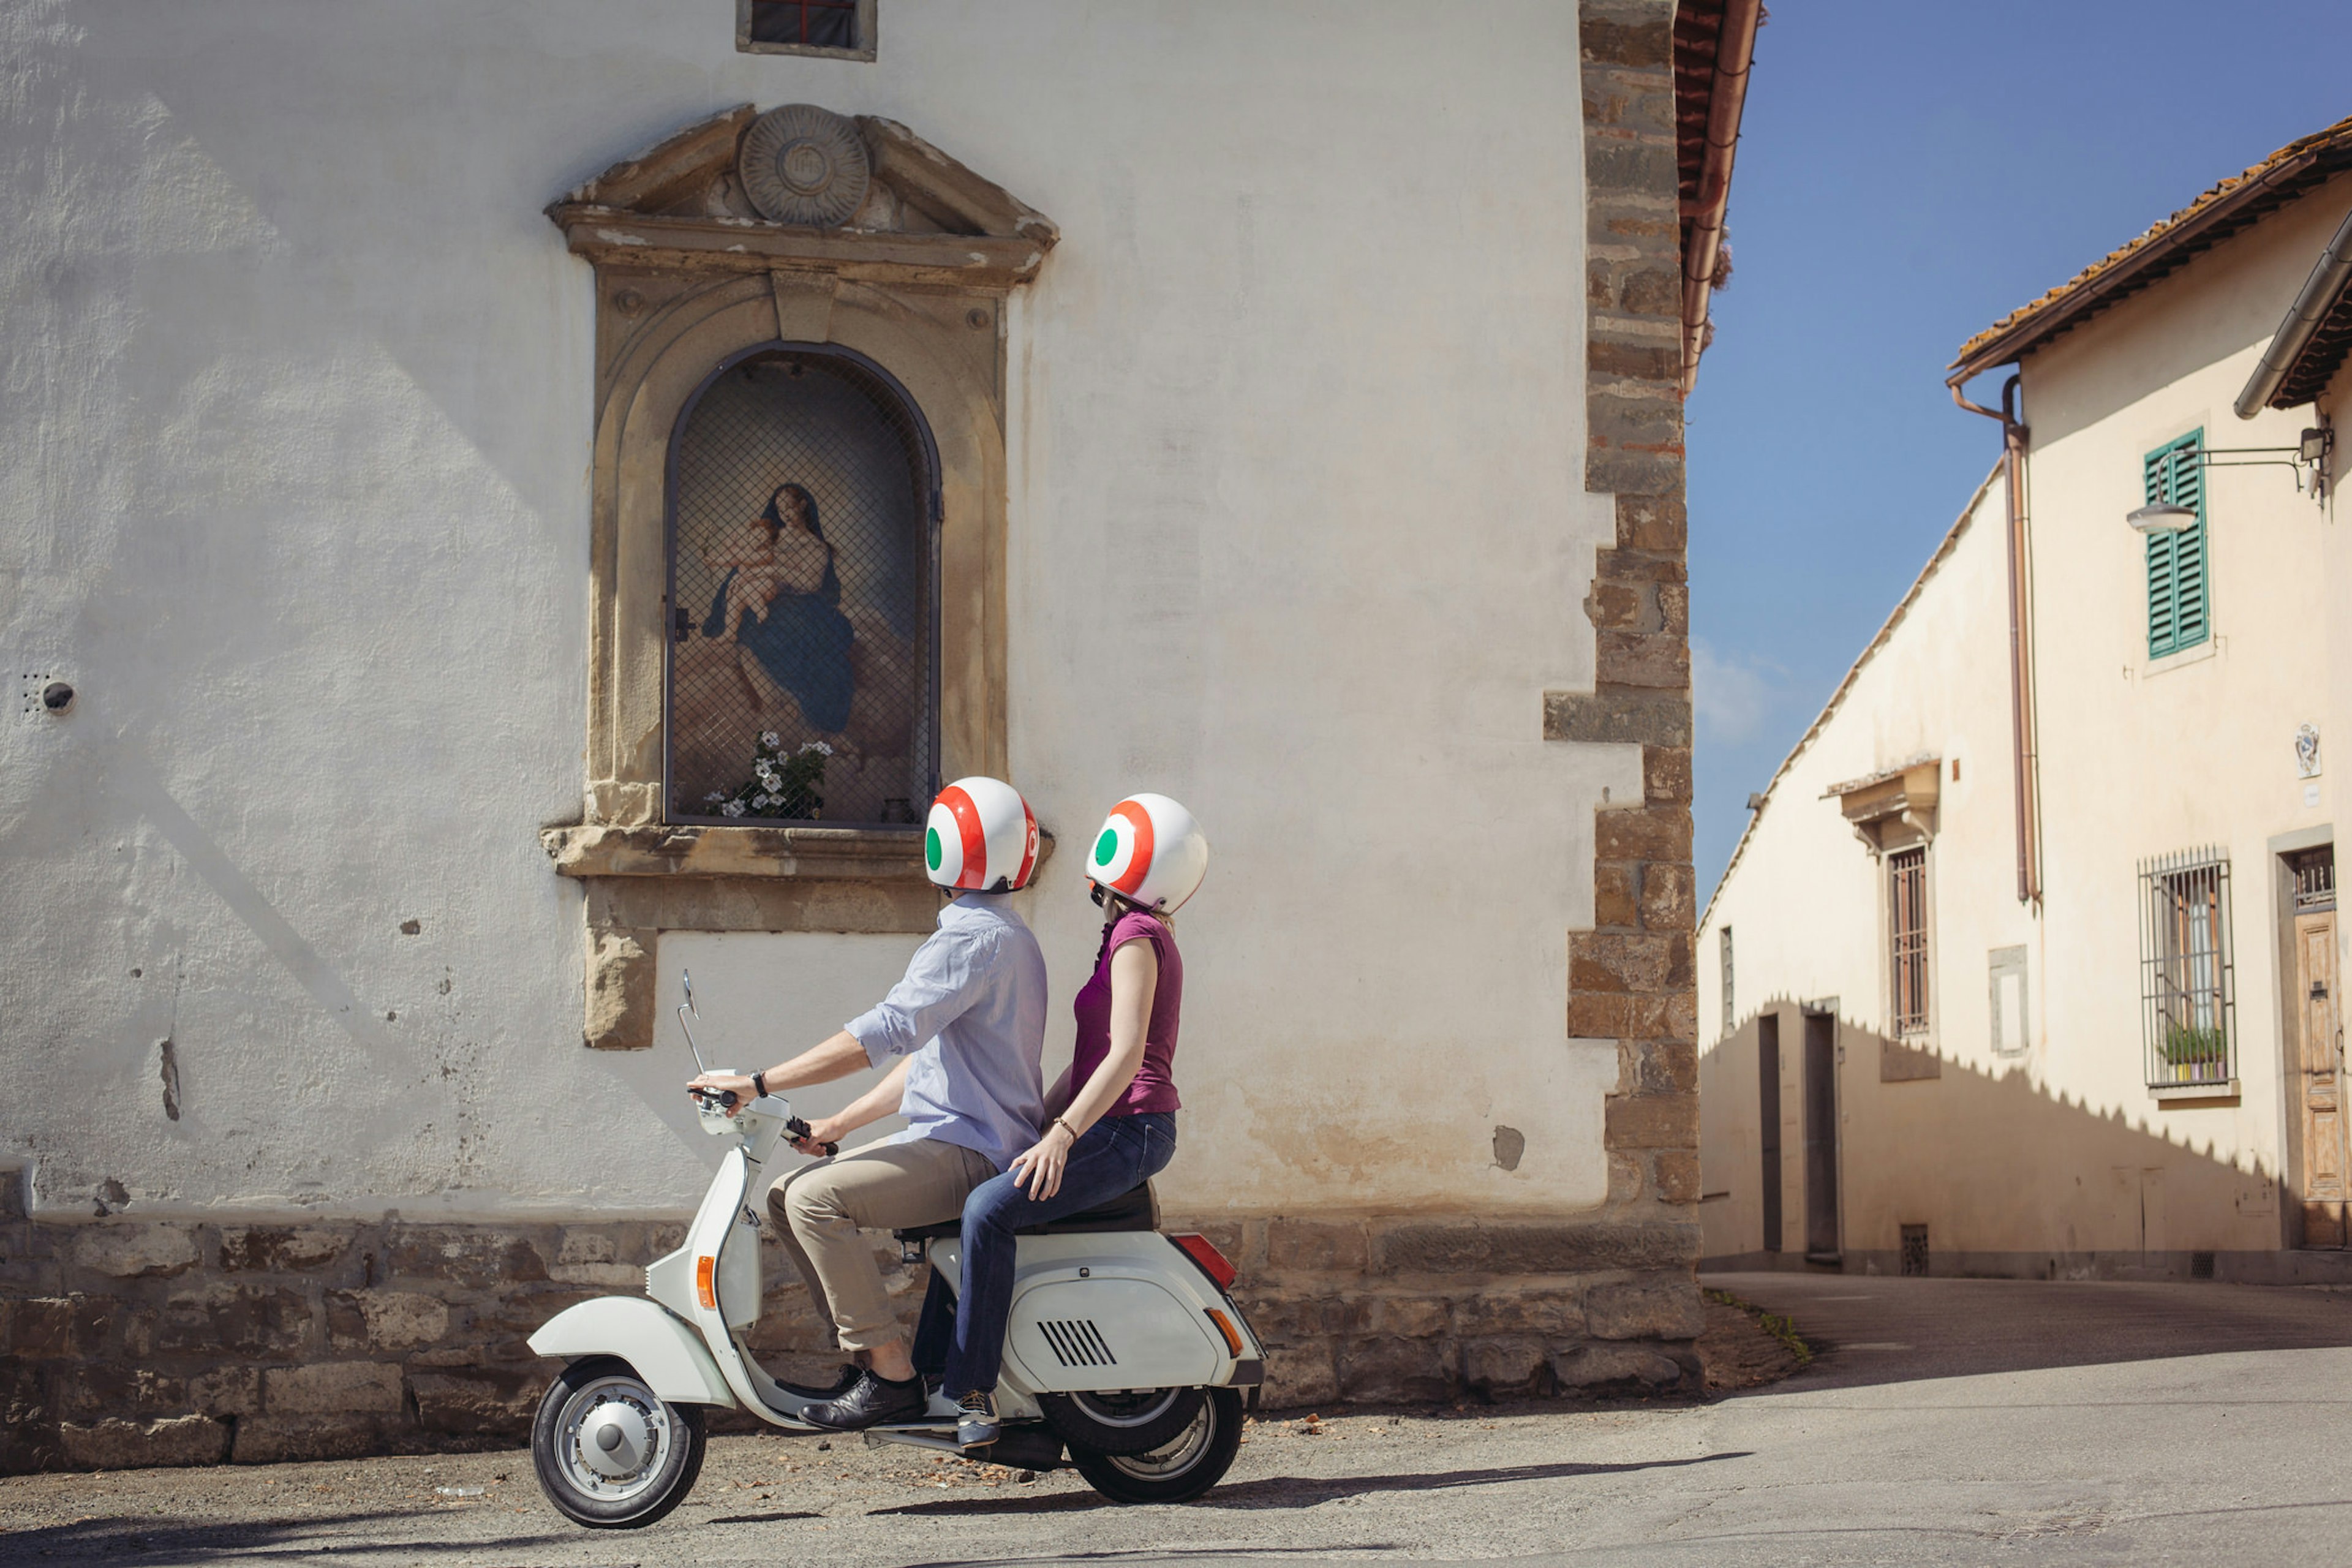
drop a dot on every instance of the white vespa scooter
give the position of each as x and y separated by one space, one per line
1122 1346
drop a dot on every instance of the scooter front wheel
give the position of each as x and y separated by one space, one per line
609 1452
1180 1469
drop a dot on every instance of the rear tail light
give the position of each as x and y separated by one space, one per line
1211 1262
705 1290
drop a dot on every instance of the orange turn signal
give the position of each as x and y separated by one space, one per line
1225 1327
705 1289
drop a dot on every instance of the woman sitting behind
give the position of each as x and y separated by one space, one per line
1113 1113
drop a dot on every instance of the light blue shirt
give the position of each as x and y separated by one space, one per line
973 1011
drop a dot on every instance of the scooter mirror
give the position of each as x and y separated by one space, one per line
686 1009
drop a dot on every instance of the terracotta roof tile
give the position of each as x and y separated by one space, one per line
2220 211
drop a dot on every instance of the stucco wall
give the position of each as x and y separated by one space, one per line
2061 1149
298 380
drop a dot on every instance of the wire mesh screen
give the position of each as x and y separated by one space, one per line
2186 981
801 683
1908 899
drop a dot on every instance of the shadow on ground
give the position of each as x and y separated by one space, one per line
246 1540
1868 1330
1307 1491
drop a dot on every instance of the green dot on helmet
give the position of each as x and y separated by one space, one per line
1107 846
932 847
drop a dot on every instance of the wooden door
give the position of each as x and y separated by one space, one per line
1820 1138
2324 1193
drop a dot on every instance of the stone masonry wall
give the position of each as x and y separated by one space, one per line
1632 978
127 1343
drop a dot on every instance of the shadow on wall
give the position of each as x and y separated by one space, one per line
1892 1159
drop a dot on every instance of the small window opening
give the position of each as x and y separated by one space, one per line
1730 1013
843 29
2315 879
1914 1250
1907 903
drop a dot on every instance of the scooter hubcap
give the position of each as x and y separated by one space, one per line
615 1439
615 1432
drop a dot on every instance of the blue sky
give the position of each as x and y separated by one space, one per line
1909 173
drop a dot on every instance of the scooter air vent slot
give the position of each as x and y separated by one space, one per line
1075 1342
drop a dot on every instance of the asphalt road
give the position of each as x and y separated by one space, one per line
1945 1422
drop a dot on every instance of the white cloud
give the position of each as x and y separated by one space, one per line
1731 696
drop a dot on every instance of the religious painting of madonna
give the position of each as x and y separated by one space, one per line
800 672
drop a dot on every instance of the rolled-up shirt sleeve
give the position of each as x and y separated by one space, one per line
944 978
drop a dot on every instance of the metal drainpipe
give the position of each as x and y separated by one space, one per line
2026 767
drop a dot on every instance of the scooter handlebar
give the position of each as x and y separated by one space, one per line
800 1129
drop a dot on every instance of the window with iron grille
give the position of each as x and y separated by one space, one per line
2179 607
2315 879
1906 893
843 29
2186 982
803 671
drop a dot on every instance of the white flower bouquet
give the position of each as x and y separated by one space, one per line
787 784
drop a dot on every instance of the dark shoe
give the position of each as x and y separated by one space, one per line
839 1386
976 1423
870 1402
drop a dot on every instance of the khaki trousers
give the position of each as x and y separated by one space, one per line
819 1209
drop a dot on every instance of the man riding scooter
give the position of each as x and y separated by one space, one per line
967 1026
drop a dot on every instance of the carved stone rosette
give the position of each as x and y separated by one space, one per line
805 165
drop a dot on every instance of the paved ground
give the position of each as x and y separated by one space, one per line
1946 1421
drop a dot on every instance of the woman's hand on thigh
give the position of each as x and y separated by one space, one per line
1039 1167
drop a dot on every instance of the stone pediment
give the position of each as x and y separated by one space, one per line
801 187
1894 808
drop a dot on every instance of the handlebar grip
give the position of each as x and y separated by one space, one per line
800 1129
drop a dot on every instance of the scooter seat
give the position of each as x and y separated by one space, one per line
1136 1210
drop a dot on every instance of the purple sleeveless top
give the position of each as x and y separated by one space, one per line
1154 1087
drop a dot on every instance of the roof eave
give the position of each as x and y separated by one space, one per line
2162 254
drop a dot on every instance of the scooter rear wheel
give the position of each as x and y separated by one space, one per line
1179 1470
609 1452
1132 1422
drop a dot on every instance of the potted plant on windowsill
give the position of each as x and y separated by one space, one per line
2193 1055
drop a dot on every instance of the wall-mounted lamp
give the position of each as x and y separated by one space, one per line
2312 453
2163 518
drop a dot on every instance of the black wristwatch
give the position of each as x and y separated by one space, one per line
760 1085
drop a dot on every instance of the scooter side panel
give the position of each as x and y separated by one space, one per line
1069 1333
669 1355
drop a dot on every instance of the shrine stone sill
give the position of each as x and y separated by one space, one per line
2196 1093
834 854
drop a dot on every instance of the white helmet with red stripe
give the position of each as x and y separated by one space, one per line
1151 851
981 836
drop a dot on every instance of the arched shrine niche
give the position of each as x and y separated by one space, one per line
797 530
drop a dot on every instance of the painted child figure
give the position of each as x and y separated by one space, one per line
769 554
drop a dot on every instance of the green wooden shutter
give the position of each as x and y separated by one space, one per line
2180 614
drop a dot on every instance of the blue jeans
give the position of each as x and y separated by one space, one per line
1117 1154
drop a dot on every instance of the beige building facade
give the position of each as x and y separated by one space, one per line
441 513
2028 962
